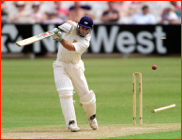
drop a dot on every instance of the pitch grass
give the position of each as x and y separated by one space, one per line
159 135
29 96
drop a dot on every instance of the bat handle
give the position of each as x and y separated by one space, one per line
56 31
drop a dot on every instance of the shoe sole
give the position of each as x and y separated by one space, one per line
94 128
74 130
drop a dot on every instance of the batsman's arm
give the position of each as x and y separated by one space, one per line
66 27
58 37
69 46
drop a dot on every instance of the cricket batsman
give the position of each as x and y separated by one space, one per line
69 69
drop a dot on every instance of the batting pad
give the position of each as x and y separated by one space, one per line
89 104
67 106
63 84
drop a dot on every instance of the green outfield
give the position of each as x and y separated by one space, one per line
30 102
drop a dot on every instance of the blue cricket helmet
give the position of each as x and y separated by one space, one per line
86 22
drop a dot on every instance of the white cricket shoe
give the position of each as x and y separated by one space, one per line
73 127
93 124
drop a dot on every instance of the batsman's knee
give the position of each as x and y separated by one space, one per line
65 93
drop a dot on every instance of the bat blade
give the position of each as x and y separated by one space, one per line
34 39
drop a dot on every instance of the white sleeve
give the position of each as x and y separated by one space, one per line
80 47
66 27
74 24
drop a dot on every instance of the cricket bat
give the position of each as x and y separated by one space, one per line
36 38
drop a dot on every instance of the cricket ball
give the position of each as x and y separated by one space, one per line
154 67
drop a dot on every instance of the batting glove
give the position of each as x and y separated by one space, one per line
58 35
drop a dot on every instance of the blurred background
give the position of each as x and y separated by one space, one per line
123 27
121 12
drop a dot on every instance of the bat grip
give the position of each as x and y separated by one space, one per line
58 30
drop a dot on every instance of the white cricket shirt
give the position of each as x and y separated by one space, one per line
80 44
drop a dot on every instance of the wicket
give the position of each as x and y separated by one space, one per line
163 108
134 98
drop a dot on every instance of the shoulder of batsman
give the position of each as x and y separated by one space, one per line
88 37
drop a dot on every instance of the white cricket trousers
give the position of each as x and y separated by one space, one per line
69 76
